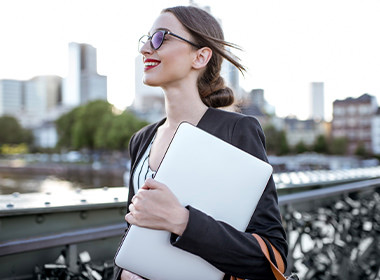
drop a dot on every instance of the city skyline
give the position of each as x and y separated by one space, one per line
286 46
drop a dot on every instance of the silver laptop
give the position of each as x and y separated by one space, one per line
210 175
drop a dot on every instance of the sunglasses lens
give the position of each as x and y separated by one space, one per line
157 39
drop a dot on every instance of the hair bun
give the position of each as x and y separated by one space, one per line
220 98
215 93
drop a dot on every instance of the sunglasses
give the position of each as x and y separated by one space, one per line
157 38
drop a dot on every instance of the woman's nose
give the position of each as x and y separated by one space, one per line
146 48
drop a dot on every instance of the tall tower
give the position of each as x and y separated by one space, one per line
11 97
83 83
149 102
256 97
144 94
41 95
317 100
230 74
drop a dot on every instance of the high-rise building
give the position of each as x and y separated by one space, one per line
254 104
30 101
231 77
149 102
256 96
83 83
11 97
352 119
317 100
42 94
375 130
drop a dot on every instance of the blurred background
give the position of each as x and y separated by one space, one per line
71 96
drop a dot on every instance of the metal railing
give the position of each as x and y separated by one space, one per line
328 192
96 233
61 239
333 233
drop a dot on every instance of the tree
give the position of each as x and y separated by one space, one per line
300 147
283 147
361 150
77 128
276 142
65 126
96 126
339 146
12 132
116 131
320 145
88 119
270 139
102 135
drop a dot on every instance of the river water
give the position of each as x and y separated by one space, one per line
32 183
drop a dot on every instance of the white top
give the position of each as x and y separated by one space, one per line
143 170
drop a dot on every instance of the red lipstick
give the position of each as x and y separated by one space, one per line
150 63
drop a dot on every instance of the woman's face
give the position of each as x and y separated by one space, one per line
172 62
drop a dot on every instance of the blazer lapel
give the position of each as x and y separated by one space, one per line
143 146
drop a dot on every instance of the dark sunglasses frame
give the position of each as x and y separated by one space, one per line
164 32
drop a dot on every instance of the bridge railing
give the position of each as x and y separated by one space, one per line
298 202
334 233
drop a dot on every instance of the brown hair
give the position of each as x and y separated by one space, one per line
206 32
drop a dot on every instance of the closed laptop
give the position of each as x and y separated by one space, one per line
209 174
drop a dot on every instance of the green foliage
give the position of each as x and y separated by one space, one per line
65 128
283 144
270 139
320 145
300 148
116 131
102 135
339 146
12 132
27 136
88 121
276 142
95 126
13 149
361 150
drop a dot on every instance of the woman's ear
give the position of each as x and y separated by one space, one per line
202 57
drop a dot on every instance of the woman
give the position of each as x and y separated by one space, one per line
183 56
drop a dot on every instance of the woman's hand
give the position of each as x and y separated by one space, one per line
126 275
155 206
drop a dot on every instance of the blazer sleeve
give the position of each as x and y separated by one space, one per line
132 156
231 251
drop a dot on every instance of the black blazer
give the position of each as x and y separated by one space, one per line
233 252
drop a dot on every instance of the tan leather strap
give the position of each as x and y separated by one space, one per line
278 272
279 260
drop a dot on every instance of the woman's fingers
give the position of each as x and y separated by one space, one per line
131 207
126 275
155 206
152 184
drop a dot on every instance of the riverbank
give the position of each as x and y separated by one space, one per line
62 168
23 177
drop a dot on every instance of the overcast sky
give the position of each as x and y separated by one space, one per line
287 43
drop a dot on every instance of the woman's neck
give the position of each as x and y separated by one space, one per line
183 105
